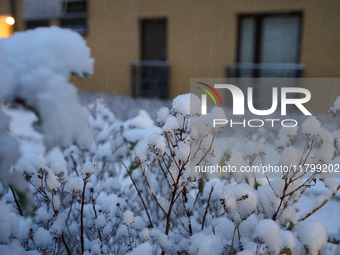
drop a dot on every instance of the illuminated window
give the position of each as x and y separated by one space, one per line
6 26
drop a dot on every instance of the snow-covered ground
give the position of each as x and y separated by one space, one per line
31 142
126 107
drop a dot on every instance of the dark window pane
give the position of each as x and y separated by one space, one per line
76 24
247 40
153 70
280 39
75 6
31 24
154 39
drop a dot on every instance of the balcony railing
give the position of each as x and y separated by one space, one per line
262 70
150 78
262 86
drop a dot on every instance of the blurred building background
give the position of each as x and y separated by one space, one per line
152 48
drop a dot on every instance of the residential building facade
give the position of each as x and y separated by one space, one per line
153 48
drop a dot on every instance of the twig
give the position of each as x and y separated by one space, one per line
185 200
321 205
206 153
179 219
304 162
96 216
281 199
173 200
82 214
208 204
150 189
196 197
270 185
74 164
16 201
139 194
166 178
64 242
69 212
232 242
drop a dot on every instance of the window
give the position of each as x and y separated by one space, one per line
75 6
271 43
153 39
6 26
76 24
75 17
150 76
31 24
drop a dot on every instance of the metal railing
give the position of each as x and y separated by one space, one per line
261 77
262 70
150 78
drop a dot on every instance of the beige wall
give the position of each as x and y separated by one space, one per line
323 93
202 37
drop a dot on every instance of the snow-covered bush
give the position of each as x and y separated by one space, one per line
35 68
106 186
102 202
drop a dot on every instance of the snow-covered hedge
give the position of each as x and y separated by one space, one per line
127 187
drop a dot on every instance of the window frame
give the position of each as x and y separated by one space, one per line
80 16
259 17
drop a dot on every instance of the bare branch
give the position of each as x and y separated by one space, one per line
16 201
208 204
321 205
139 194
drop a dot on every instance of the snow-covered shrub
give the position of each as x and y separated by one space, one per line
35 68
102 202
